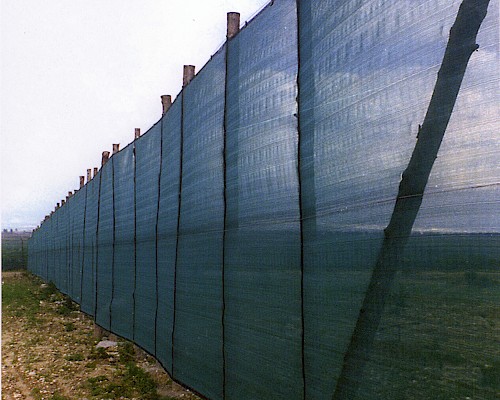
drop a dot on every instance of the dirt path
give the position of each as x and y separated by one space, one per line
49 351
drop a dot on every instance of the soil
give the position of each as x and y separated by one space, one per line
46 355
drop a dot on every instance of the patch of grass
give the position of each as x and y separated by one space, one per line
91 365
132 382
57 396
142 382
491 375
19 298
126 352
75 357
66 306
69 327
99 353
101 387
36 393
95 385
48 292
479 280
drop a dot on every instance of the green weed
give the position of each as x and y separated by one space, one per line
126 352
99 353
142 382
57 396
132 382
69 327
66 306
75 357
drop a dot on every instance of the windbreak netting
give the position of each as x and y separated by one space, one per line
122 306
48 233
147 156
168 213
89 245
438 336
66 262
76 244
352 54
104 250
57 254
315 217
368 70
199 303
262 269
62 245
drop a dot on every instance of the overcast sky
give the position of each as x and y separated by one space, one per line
77 76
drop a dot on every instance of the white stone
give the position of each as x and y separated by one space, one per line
106 344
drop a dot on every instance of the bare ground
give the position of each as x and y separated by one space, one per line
46 355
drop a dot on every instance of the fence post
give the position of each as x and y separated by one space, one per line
105 157
233 24
82 181
116 148
89 175
95 171
188 75
166 102
137 133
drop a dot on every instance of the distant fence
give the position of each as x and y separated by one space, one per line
241 239
14 249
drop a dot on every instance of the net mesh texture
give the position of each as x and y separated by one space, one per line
261 241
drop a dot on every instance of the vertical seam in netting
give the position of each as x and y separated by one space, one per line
50 250
301 215
156 232
68 244
70 255
223 272
66 251
135 241
113 248
71 258
53 269
68 260
56 257
92 265
83 244
97 245
181 145
47 257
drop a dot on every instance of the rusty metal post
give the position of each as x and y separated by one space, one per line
95 171
105 157
70 194
82 180
188 75
137 133
166 102
233 24
89 174
63 202
116 148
